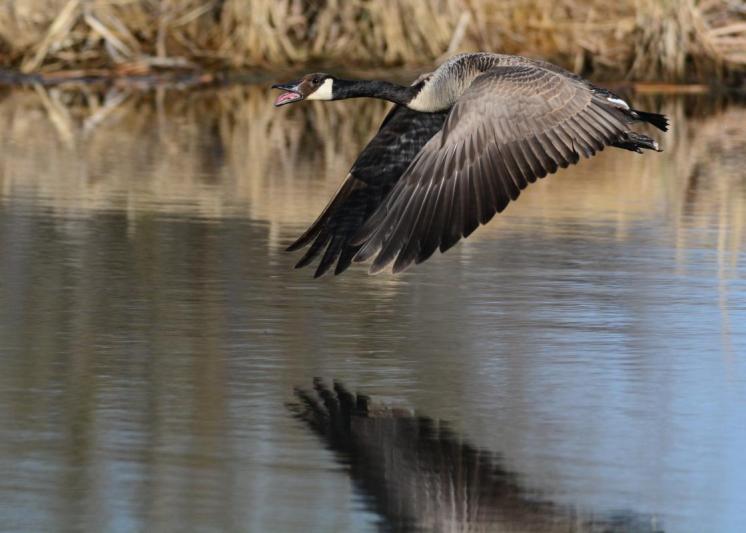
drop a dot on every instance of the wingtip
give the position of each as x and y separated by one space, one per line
365 252
378 267
294 246
374 269
303 240
400 268
321 269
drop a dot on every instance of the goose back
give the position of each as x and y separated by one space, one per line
444 86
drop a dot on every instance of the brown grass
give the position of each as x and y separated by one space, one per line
640 39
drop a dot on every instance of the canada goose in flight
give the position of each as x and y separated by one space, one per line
459 145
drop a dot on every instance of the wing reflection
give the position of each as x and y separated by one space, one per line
419 475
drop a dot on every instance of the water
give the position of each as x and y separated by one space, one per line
590 342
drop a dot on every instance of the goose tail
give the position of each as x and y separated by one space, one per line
656 119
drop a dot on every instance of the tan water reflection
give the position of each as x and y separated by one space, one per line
230 153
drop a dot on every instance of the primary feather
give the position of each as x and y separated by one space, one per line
376 170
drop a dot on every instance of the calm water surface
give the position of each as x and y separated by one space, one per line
591 340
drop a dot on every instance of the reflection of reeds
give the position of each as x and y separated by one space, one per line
229 152
649 39
203 152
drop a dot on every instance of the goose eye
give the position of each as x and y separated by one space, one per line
316 81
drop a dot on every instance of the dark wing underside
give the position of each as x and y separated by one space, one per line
376 170
513 124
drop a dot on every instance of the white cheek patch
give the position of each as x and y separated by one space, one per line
618 101
324 92
423 101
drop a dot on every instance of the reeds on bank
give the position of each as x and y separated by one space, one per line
672 40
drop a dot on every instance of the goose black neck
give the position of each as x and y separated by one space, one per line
382 90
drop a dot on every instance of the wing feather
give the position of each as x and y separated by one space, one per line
511 126
367 186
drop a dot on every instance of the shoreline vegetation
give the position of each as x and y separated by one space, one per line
205 41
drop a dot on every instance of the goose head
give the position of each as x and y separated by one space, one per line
316 86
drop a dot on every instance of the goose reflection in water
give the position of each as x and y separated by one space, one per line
421 476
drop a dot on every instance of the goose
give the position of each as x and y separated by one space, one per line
458 146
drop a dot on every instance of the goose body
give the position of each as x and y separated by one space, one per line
459 145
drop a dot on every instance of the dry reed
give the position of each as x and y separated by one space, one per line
640 39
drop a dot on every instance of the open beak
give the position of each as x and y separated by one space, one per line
291 94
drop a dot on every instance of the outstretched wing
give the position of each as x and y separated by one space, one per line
513 124
376 170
